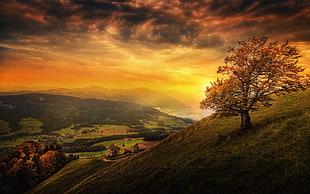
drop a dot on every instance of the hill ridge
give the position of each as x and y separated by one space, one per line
59 111
212 156
144 96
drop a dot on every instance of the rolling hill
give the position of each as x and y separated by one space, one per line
141 96
58 111
212 156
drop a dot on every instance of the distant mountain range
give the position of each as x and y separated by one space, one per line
59 111
143 96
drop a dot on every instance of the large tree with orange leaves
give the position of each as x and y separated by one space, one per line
255 69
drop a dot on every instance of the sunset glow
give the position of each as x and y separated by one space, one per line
169 46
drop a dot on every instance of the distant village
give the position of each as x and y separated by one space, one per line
114 150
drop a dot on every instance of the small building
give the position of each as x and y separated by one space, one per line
113 150
139 147
127 151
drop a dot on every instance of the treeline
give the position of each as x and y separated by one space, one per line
73 148
28 164
15 136
85 145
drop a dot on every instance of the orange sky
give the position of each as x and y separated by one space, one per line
171 45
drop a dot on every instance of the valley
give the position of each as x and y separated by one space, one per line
155 97
209 156
84 127
172 104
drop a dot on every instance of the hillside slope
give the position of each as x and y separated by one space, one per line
71 175
212 156
57 111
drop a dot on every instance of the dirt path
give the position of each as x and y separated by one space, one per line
117 160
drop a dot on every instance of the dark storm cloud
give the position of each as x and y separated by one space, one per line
280 8
228 8
31 17
295 27
174 33
264 17
172 22
95 5
35 17
138 16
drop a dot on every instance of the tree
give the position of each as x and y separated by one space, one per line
254 71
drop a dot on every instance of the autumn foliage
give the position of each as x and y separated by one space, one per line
254 71
28 164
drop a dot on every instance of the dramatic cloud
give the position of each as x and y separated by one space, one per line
164 44
170 21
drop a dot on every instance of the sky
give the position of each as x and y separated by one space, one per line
173 46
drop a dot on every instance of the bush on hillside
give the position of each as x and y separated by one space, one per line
28 164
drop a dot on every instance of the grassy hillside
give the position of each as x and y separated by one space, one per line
71 175
213 156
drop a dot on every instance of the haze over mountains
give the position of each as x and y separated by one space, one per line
81 125
143 96
59 111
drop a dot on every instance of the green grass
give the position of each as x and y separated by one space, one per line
214 156
67 130
30 125
103 131
150 124
113 127
119 143
165 122
90 136
68 140
172 122
70 175
7 143
4 127
89 154
16 141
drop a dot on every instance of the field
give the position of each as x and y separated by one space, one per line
78 124
122 143
214 156
4 127
67 130
28 127
31 129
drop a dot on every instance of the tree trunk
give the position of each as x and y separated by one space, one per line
245 121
